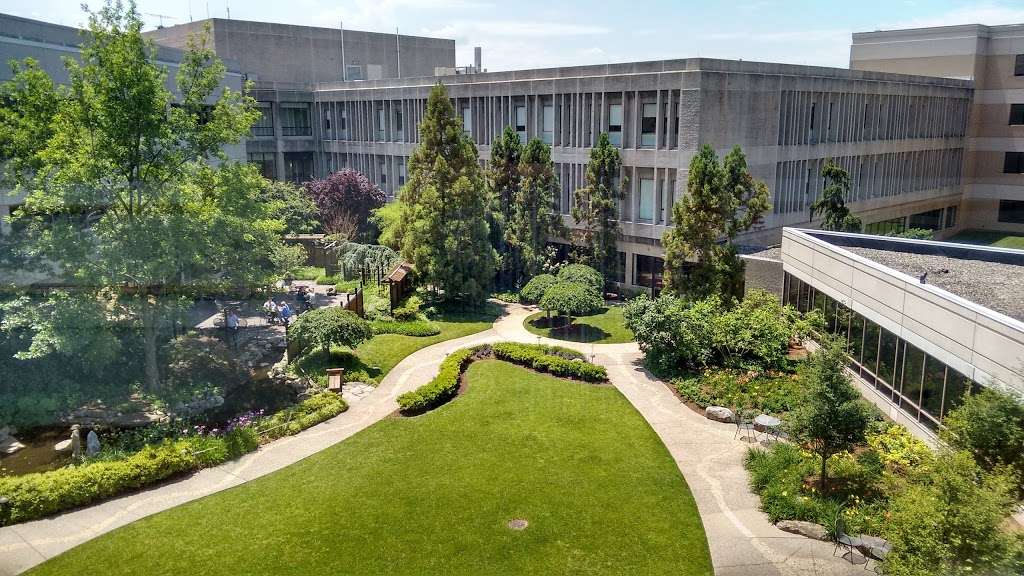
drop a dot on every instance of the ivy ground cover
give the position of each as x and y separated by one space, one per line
434 494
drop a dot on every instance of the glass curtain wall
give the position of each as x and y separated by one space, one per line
922 386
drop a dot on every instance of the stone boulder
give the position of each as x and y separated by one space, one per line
808 529
9 445
718 414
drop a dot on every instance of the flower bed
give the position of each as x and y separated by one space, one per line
37 495
772 392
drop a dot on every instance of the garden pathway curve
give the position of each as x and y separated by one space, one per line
742 540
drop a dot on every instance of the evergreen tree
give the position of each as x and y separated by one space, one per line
533 215
832 204
722 200
596 211
444 230
504 177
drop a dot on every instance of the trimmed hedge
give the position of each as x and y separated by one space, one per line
442 388
32 496
554 360
408 328
551 359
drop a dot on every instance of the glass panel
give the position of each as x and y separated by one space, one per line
931 392
646 200
648 125
615 124
467 120
870 356
956 386
819 301
913 371
887 356
856 336
842 329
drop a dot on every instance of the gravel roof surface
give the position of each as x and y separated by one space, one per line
998 287
773 253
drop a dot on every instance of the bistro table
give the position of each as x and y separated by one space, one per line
770 424
874 548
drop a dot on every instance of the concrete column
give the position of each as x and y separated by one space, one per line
658 122
628 272
278 143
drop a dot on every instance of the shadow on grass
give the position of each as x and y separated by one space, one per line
558 327
488 312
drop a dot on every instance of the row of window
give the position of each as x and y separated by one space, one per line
1011 211
937 219
817 117
298 166
294 120
798 182
923 387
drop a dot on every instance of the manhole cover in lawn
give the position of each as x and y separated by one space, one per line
518 524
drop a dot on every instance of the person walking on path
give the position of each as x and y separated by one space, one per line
232 328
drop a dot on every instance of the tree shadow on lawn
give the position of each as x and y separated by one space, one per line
558 327
456 314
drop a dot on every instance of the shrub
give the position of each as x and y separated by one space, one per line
408 328
772 392
442 388
409 310
582 274
308 273
535 288
571 299
40 494
507 297
328 280
901 452
326 326
551 359
678 335
990 425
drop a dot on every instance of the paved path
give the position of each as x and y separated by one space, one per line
741 539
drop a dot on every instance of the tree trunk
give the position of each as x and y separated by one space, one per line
824 474
149 337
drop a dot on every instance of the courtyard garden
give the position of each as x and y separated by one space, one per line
522 473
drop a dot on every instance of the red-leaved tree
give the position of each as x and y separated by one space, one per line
346 196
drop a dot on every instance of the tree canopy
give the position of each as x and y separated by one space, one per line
329 326
596 210
831 205
443 227
533 211
345 201
571 299
722 200
582 274
503 178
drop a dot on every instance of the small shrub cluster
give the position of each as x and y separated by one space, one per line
409 310
554 360
328 280
769 391
536 287
557 361
507 297
32 496
405 328
324 327
581 274
308 272
442 388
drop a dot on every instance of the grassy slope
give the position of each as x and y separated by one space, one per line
604 327
988 238
377 356
432 495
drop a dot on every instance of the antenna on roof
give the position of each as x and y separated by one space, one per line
189 10
398 51
161 17
228 7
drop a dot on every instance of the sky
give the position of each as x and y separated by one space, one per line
519 34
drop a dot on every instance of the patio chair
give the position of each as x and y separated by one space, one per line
744 423
844 540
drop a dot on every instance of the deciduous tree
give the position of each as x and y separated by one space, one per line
722 200
346 196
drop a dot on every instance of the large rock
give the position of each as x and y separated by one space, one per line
808 529
718 414
9 445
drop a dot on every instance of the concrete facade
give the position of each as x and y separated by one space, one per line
975 342
993 57
901 137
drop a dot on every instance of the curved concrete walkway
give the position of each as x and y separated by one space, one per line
741 539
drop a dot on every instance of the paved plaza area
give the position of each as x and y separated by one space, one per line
741 539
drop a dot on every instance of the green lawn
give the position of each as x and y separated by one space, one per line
377 356
989 238
433 494
603 327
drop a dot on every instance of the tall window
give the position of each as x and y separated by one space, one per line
951 216
298 166
264 125
548 123
399 124
521 123
401 173
647 271
646 214
267 163
383 172
1018 65
1013 163
615 124
343 124
648 126
1016 114
295 120
467 120
1011 211
380 123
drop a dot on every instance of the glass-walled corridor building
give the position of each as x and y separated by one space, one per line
924 322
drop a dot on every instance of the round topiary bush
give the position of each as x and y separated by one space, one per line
326 327
571 299
535 288
582 274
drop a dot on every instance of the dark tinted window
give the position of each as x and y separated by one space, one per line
1013 163
1011 211
1018 65
1016 113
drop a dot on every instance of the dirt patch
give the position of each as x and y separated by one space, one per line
518 524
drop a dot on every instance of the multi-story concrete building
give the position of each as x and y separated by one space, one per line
901 137
285 62
993 58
